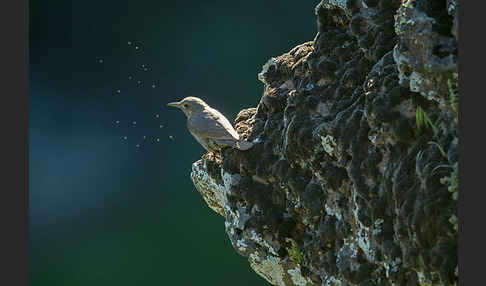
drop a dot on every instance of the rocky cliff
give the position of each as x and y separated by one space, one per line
353 178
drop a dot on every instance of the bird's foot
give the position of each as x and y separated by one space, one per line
212 156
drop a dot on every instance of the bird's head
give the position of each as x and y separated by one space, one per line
189 105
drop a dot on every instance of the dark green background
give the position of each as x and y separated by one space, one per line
103 211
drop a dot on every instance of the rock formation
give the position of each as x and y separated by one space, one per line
353 177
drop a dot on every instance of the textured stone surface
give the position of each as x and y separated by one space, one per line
352 179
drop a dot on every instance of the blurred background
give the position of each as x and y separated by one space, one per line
111 199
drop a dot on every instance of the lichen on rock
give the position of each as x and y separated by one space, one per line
341 187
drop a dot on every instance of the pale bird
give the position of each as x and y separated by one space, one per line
210 128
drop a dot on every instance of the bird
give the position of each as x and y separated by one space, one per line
208 126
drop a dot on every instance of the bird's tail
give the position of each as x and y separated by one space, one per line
244 145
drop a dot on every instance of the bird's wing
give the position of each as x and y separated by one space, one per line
210 123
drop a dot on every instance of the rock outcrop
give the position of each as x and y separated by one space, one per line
352 179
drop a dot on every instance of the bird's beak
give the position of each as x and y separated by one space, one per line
174 104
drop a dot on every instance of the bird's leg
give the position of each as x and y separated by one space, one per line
217 156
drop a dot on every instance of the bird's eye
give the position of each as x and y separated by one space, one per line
185 105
